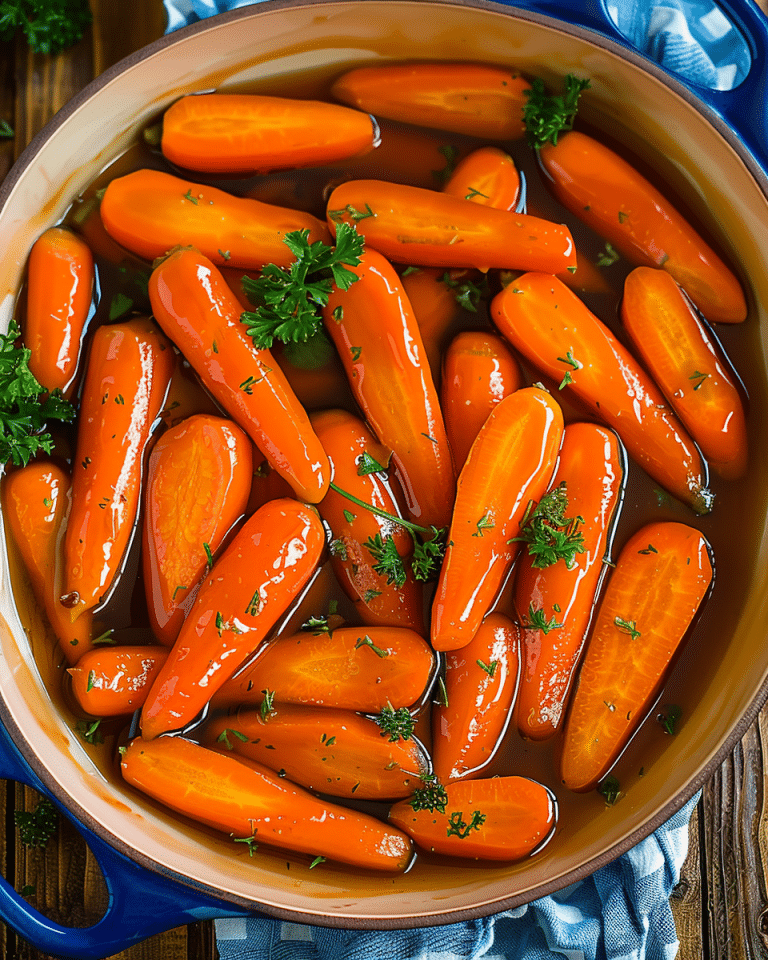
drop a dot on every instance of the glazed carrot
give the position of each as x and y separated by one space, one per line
243 134
378 340
479 370
266 485
555 602
60 282
585 277
198 311
474 99
426 228
487 176
35 506
111 681
480 686
663 574
436 309
150 212
609 195
198 483
352 668
505 818
358 461
553 329
252 583
337 752
511 462
126 381
249 801
686 363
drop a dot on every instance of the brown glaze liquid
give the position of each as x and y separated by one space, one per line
414 158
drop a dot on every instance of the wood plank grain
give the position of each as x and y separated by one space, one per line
734 865
686 899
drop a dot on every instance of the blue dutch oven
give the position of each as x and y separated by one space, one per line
708 145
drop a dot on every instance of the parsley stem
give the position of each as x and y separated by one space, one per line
413 527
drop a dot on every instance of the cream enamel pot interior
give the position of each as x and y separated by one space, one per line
703 160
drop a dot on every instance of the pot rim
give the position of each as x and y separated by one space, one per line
75 809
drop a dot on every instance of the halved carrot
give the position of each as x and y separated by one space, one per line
111 681
126 381
556 332
475 99
358 461
609 195
555 603
352 668
196 308
481 682
150 212
479 370
198 483
377 337
511 462
487 176
251 585
35 506
426 228
337 752
250 802
247 133
688 366
662 576
60 281
504 818
434 304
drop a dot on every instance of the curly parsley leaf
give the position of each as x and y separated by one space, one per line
36 827
288 301
388 562
395 724
25 405
431 796
550 535
50 26
546 116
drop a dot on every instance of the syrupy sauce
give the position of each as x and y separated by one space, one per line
417 159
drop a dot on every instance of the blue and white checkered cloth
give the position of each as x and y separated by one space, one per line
622 911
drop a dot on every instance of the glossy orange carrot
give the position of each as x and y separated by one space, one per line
662 576
358 461
352 668
111 681
426 228
475 99
337 752
126 381
555 602
556 332
481 682
251 585
378 340
511 463
199 312
251 802
150 212
585 277
198 483
266 485
487 176
479 370
35 506
686 363
60 282
247 133
504 818
609 195
434 304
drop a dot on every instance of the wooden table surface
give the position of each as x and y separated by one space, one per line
721 902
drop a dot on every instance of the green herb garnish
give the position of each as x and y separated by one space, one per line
537 620
458 827
431 796
36 827
395 724
50 26
669 719
388 562
609 789
546 116
550 535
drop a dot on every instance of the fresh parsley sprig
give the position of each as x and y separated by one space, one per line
546 116
288 300
395 724
428 545
25 405
50 26
550 535
431 796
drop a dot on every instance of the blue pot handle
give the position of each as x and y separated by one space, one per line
141 903
742 109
